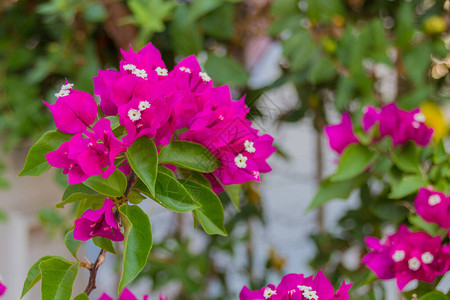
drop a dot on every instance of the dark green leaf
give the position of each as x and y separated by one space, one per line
210 215
135 197
226 70
36 163
143 159
114 185
407 186
58 277
138 242
188 155
184 33
406 158
330 190
355 159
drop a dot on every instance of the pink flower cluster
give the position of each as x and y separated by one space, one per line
433 206
151 101
406 256
126 295
402 126
297 286
2 289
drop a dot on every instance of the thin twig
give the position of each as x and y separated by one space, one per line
93 272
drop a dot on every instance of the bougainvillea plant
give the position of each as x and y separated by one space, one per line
171 137
395 147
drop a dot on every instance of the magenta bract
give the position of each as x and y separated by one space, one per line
126 295
406 256
2 289
433 207
297 286
341 135
100 222
74 110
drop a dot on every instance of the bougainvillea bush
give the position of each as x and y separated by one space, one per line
171 137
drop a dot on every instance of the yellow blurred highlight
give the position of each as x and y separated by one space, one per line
434 25
434 119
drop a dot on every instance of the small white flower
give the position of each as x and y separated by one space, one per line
162 71
434 200
205 77
310 295
415 124
185 70
414 264
427 258
249 146
143 105
129 67
398 255
268 292
140 73
304 288
62 93
67 86
419 117
134 115
241 161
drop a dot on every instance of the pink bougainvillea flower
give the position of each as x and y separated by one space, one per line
402 126
74 110
406 256
100 222
198 80
433 207
2 289
297 286
103 87
341 135
60 159
126 295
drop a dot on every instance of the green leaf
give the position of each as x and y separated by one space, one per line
200 8
34 274
321 71
184 33
407 186
226 70
170 194
82 296
355 159
219 23
79 192
114 121
143 159
188 155
166 171
36 163
138 242
114 185
430 228
234 192
330 190
58 277
435 295
406 158
135 197
72 244
405 20
417 61
210 215
104 243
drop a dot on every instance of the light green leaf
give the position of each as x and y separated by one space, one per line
330 190
407 186
138 242
135 197
435 295
234 192
355 159
72 244
104 243
114 185
36 163
210 215
81 296
114 121
406 158
58 277
166 170
34 274
188 155
79 192
224 69
430 228
143 159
